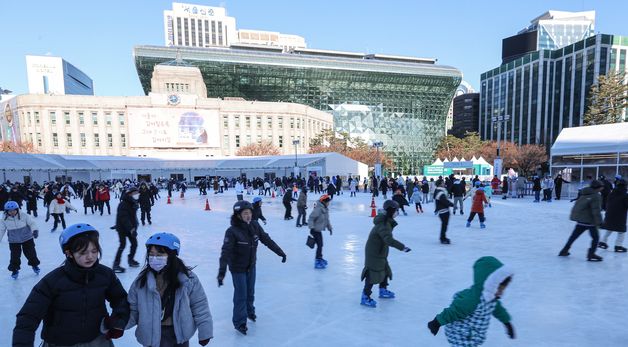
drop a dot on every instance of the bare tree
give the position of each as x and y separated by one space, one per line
258 149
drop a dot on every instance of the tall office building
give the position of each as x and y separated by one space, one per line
551 30
547 90
54 75
401 101
466 114
198 26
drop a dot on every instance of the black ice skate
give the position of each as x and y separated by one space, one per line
602 245
620 249
118 269
242 329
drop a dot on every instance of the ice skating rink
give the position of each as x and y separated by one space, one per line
553 301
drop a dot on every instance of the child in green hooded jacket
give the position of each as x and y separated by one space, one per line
466 320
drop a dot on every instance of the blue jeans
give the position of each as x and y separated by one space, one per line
537 195
243 296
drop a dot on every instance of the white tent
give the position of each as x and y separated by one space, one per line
594 139
437 162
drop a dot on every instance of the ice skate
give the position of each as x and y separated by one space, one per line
445 241
482 226
324 262
367 301
36 270
563 253
318 264
298 225
14 274
118 269
133 263
620 249
386 294
594 257
468 224
602 245
252 317
242 329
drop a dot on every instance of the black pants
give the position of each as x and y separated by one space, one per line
267 190
16 254
288 207
58 217
301 215
102 204
417 206
368 286
86 207
444 222
169 339
318 238
557 191
28 210
132 239
145 214
579 229
472 215
547 195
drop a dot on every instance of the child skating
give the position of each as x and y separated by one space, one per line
21 229
479 199
467 319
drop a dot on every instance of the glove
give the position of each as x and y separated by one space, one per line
434 325
112 332
35 233
330 232
406 249
221 277
283 258
204 342
510 330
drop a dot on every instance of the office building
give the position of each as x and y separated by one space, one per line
54 75
466 114
401 101
198 26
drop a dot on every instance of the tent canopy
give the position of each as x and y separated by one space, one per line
594 139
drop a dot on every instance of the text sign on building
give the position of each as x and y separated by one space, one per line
173 128
458 165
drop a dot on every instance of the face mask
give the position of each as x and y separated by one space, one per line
135 196
157 263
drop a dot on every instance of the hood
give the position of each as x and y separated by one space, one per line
382 218
488 273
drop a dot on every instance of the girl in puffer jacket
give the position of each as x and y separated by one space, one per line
167 301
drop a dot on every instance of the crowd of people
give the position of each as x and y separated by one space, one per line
167 302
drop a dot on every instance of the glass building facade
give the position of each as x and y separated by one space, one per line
547 90
402 102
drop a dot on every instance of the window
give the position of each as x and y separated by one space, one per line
259 139
225 141
53 118
81 118
38 139
280 121
96 140
298 123
225 122
248 122
248 139
237 140
83 140
110 140
55 140
258 121
36 117
28 117
66 116
121 118
237 121
123 140
68 139
94 118
280 141
269 138
108 118
291 123
270 122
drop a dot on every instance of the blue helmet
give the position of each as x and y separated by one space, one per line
74 230
478 183
11 205
256 199
167 240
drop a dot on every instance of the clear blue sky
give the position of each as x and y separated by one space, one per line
98 36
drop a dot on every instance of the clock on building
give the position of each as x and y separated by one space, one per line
174 99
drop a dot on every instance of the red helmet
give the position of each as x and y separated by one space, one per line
324 198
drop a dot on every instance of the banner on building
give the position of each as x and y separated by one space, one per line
173 128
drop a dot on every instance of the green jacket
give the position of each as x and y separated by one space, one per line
466 301
588 207
380 238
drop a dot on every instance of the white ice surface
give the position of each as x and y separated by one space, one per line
553 301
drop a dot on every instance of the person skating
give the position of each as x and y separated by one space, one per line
477 207
31 201
126 226
318 221
401 200
536 188
376 268
71 299
146 202
58 207
168 292
558 185
442 205
88 199
21 229
458 190
467 319
587 214
239 252
287 204
505 188
102 198
548 186
615 217
416 198
257 210
302 206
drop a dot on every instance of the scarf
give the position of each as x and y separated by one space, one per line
61 201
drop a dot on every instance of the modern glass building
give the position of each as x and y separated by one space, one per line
400 101
547 90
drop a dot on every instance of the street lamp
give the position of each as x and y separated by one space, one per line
497 164
378 165
296 167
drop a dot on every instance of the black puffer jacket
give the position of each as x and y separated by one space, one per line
239 249
616 207
257 212
146 199
126 218
71 302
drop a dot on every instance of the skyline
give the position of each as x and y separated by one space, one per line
109 62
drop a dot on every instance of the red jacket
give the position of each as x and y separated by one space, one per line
495 183
103 195
479 199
